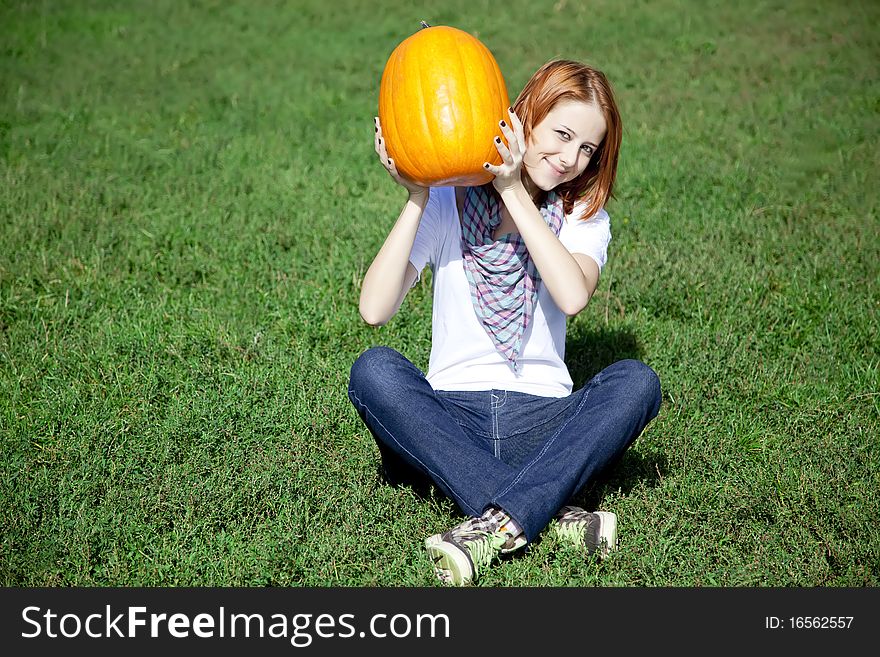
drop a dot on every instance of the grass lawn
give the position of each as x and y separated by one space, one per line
189 199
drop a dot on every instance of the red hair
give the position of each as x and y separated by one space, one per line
561 80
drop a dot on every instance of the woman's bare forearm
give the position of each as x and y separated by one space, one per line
561 273
386 282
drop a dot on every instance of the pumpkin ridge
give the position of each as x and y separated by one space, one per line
469 103
428 120
401 157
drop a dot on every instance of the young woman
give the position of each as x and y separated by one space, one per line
495 424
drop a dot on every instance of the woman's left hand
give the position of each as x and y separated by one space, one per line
507 174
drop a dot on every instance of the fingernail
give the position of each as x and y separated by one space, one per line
389 160
503 124
380 140
377 128
510 109
497 140
486 165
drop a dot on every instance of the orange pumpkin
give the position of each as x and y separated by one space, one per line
440 101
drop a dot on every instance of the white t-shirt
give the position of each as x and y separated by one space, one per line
463 356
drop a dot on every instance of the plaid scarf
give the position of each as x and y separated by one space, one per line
503 280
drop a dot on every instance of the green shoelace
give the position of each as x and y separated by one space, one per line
573 526
483 546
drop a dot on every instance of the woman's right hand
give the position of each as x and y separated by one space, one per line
413 188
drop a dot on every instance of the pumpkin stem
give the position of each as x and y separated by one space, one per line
424 24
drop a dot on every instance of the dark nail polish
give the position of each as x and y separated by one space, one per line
497 140
380 140
503 124
377 128
510 110
485 166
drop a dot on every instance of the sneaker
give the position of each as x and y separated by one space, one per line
595 531
459 554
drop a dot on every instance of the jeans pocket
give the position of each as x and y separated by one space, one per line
530 414
470 410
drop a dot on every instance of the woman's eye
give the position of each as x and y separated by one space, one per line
587 149
564 135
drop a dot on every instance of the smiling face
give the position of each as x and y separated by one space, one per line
560 147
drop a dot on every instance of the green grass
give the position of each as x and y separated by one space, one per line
189 200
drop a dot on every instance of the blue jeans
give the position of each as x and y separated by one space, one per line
522 453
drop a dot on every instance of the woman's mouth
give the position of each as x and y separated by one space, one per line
559 173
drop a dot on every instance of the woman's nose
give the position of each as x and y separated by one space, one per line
569 155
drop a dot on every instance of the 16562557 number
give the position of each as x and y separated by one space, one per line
820 622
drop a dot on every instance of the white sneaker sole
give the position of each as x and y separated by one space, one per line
450 565
607 533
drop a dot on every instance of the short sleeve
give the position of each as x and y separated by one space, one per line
588 236
426 245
